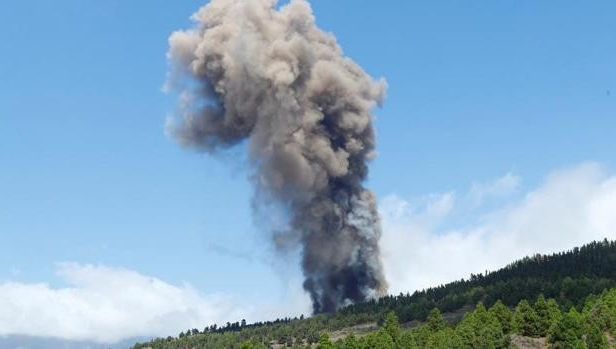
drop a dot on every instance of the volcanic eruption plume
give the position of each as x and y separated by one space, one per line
250 71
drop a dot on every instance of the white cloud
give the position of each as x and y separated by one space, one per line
572 207
501 187
109 304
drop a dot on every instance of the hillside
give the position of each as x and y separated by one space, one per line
566 279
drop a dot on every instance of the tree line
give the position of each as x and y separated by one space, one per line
494 328
565 278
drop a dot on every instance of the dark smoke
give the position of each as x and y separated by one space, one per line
249 71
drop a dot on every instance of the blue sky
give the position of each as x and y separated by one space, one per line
477 90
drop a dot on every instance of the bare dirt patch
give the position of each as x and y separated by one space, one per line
528 342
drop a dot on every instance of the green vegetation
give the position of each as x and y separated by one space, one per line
564 297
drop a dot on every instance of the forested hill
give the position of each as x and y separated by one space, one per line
567 277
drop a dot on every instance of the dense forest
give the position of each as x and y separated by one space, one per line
571 285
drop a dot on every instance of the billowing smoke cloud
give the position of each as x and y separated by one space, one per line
248 71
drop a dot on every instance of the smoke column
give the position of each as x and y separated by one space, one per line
249 71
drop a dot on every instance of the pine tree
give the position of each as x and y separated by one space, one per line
543 316
503 314
379 340
554 311
466 330
324 342
436 321
351 342
445 338
595 338
420 335
391 325
526 319
481 329
407 341
567 332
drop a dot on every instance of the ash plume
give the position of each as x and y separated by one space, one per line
249 71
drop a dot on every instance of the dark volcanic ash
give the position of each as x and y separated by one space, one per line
250 71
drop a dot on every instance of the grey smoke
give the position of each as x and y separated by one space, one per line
249 71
